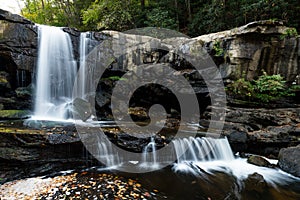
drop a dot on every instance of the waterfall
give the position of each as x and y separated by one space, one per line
21 78
202 156
202 149
56 71
82 80
183 150
150 154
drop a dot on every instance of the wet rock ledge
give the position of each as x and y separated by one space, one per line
27 152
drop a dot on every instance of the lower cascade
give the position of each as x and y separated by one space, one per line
202 149
202 156
198 156
56 72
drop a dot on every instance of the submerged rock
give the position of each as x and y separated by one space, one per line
289 160
255 182
259 161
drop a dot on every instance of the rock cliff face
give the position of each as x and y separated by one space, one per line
263 45
18 50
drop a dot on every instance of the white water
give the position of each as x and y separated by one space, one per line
56 71
197 156
107 154
83 78
150 155
207 155
202 149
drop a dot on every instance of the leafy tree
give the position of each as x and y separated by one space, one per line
55 12
190 17
160 18
218 15
103 14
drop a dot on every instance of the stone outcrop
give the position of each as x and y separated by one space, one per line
257 46
18 51
250 49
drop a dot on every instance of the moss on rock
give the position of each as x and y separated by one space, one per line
14 114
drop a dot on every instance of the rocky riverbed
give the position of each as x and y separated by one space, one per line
40 147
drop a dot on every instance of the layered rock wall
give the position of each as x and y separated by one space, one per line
18 51
263 45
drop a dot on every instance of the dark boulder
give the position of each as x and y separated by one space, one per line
238 137
289 160
255 183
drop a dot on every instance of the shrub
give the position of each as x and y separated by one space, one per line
288 33
217 47
266 88
241 88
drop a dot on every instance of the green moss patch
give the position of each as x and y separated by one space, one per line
14 114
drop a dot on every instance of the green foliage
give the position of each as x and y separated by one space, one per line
113 15
158 17
55 12
190 17
266 88
270 88
241 88
219 51
38 12
290 32
217 15
114 78
14 114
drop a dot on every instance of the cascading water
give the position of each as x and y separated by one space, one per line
200 156
21 78
150 155
83 79
202 149
56 71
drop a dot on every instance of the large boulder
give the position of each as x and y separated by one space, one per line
289 160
